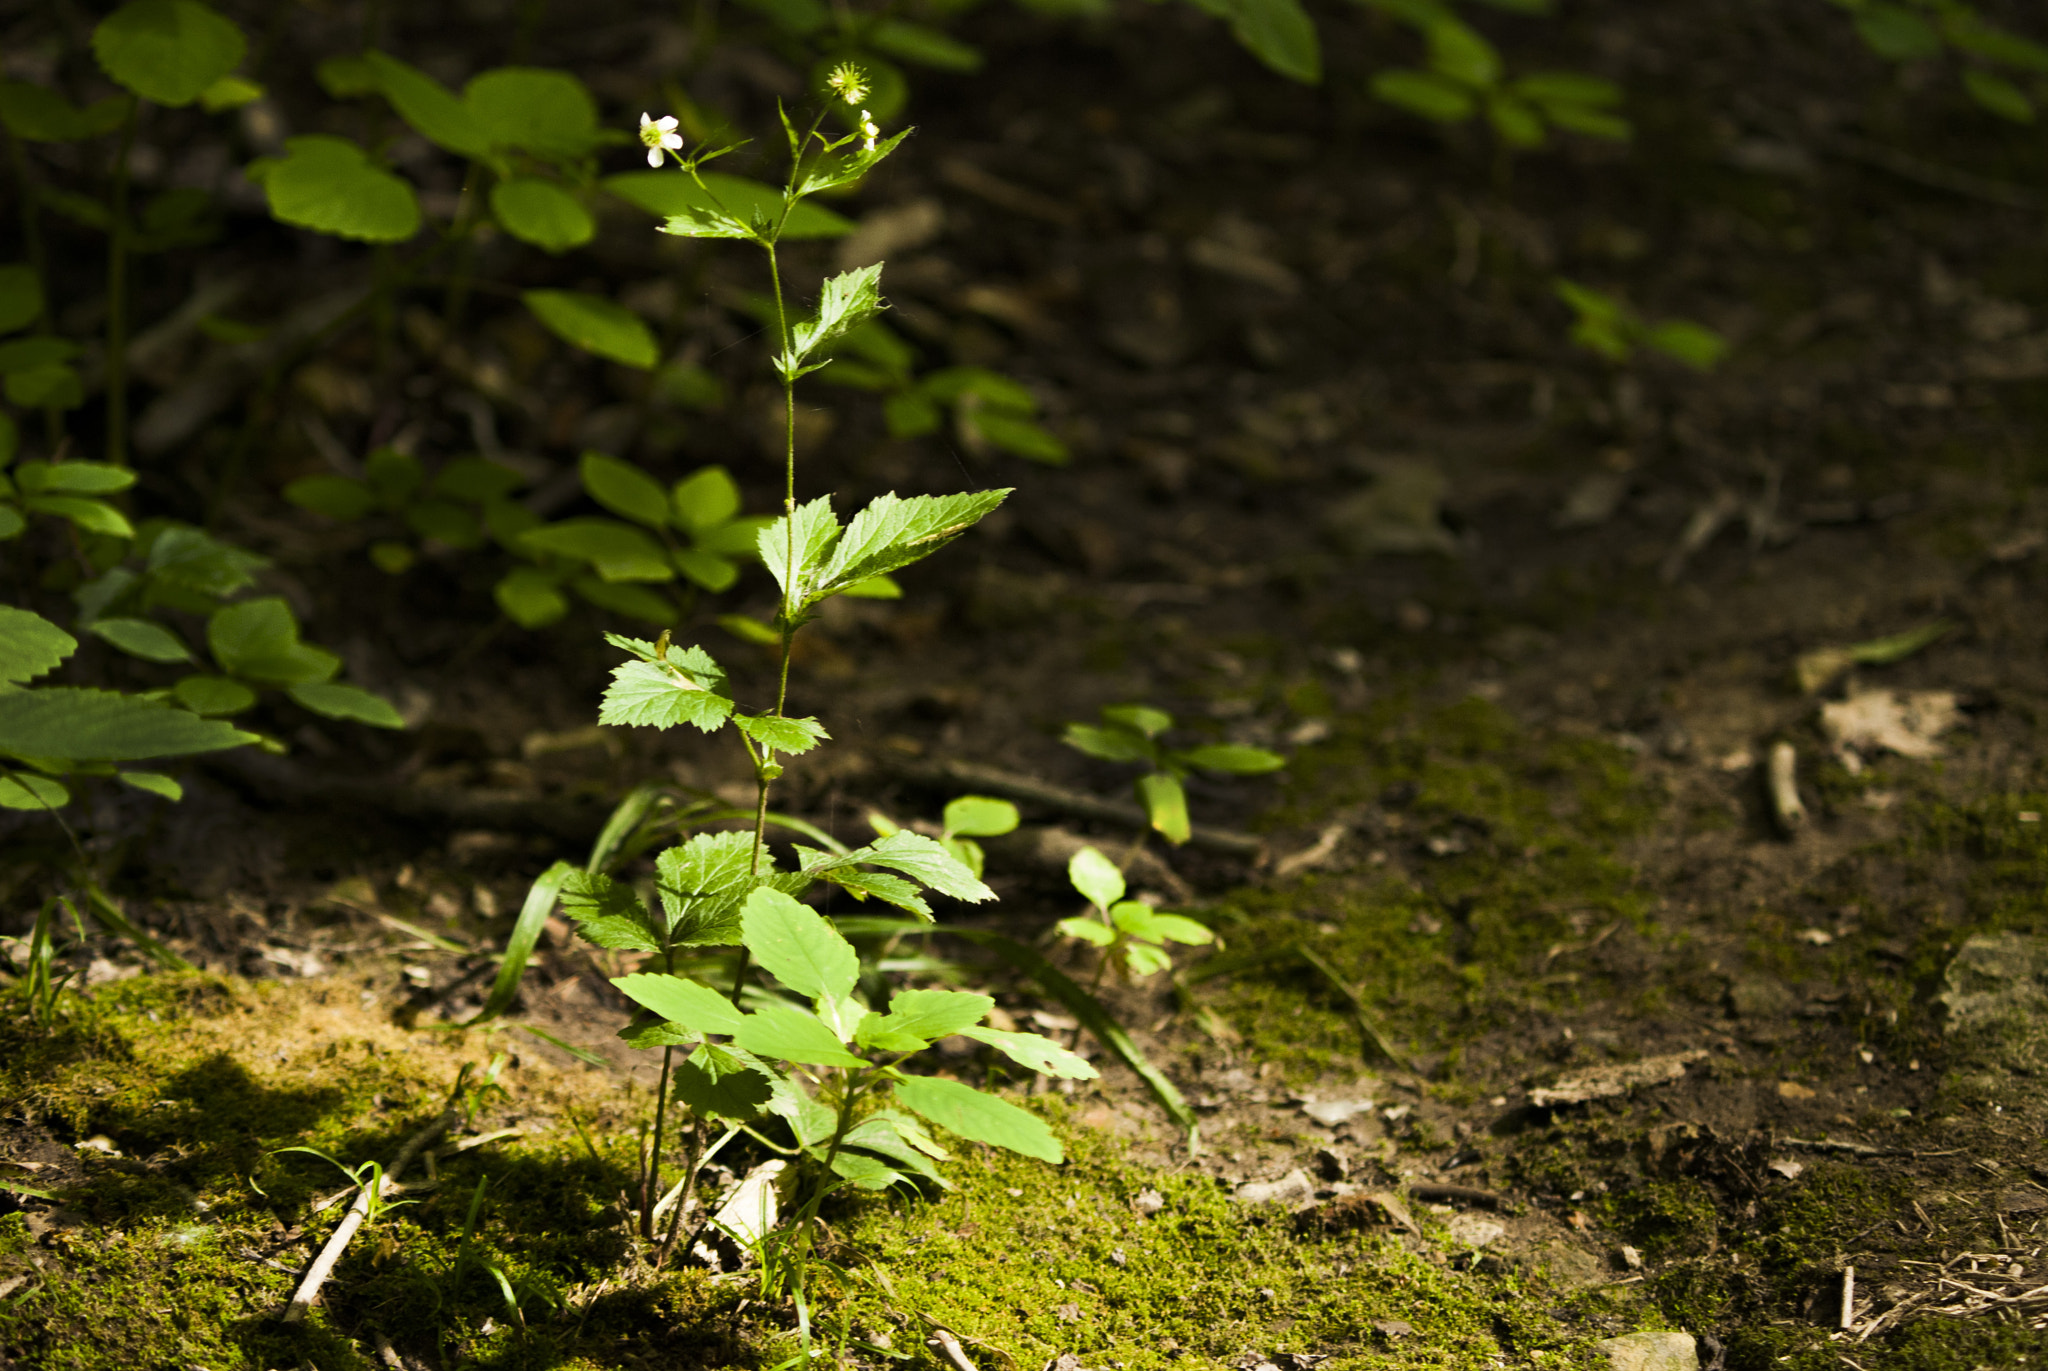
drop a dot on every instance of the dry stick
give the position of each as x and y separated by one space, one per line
1782 783
1847 1322
323 1265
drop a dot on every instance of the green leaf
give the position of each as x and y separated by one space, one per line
168 51
920 858
142 638
618 552
1019 437
335 700
1096 877
607 912
704 499
784 1033
1280 34
847 301
1040 1054
1592 123
830 172
445 522
797 946
692 1004
1142 921
645 695
1166 806
1548 88
156 783
337 497
530 597
53 385
434 111
1457 51
793 736
25 791
93 516
1696 345
229 92
1109 744
36 114
1515 121
723 1082
548 113
625 490
1998 95
910 414
881 1135
477 479
812 531
669 194
880 885
978 816
330 185
749 630
1231 758
25 354
1143 719
21 297
702 883
1897 33
924 45
538 211
596 325
707 569
30 645
968 1112
891 533
1087 930
259 640
697 222
212 696
922 1017
102 726
1425 93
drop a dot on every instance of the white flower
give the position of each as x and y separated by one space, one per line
659 136
869 130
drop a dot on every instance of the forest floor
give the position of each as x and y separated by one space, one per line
1532 1025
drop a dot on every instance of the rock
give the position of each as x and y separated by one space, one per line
1149 1202
1335 1113
1995 977
1470 1230
1603 1081
1651 1352
1294 1189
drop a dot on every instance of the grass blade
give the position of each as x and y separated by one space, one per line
540 902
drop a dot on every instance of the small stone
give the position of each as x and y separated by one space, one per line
1470 1230
1651 1352
1335 1113
1631 1258
1793 1090
1148 1203
1293 1189
1393 1329
1785 1167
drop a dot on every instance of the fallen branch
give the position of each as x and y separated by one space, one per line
1469 1194
323 1265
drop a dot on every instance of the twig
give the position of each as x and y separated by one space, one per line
323 1265
942 1341
1031 790
1467 1193
1781 780
1847 1321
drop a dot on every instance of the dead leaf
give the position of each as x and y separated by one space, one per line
1604 1081
1793 1090
1907 722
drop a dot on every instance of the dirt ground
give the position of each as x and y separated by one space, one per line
1532 1025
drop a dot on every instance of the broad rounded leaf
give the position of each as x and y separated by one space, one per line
338 701
144 638
530 597
433 110
1096 877
259 640
30 645
547 113
595 324
618 552
168 51
968 1112
24 790
705 498
625 490
1280 34
1040 1054
1998 95
156 783
707 569
978 816
1458 51
102 726
782 1033
213 696
73 478
94 516
797 946
330 185
537 211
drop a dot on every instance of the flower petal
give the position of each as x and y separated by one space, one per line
654 157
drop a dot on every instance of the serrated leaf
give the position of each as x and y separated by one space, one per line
1234 759
881 886
701 884
891 533
608 913
846 168
723 1082
923 1017
1040 1054
797 946
645 695
30 645
794 547
168 51
102 726
918 857
667 193
703 221
880 1133
792 736
968 1112
1096 877
784 1033
690 1004
847 301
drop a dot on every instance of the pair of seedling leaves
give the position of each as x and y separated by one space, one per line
1130 933
1131 733
1924 29
1609 326
738 1078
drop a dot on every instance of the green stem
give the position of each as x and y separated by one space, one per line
650 1181
117 297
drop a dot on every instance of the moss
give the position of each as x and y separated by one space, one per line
1665 1218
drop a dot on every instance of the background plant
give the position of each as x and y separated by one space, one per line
1131 733
1129 936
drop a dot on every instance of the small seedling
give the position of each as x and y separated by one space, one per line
1994 60
1131 733
1607 325
1130 935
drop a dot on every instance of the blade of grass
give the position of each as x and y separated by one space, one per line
540 902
